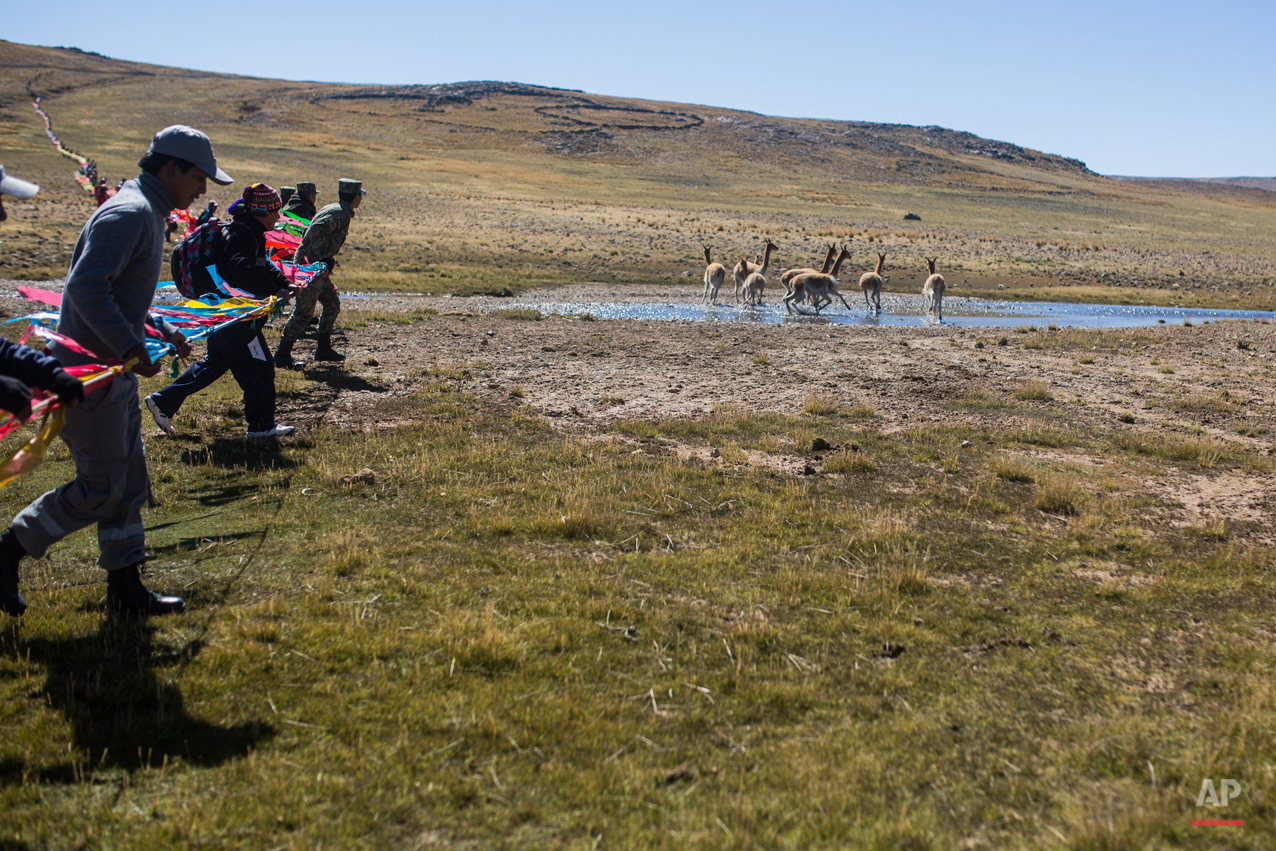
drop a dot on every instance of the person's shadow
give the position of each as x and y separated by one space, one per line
122 715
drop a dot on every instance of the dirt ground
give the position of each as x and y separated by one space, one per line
585 375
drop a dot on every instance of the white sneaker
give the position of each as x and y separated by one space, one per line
276 430
161 419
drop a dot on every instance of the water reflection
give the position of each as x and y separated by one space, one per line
901 311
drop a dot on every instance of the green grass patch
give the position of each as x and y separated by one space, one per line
510 637
1013 469
819 405
1033 391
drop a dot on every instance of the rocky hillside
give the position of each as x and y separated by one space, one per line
494 185
511 115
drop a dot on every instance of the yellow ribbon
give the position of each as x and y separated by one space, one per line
32 453
29 456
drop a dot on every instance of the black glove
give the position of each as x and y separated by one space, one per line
15 396
66 387
331 261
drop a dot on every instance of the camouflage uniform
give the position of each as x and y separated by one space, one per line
323 240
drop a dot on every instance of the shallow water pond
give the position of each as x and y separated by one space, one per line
903 311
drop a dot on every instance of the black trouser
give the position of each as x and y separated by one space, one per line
230 349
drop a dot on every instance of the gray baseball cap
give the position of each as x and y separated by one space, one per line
16 187
189 144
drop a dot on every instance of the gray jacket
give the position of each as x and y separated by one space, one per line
114 270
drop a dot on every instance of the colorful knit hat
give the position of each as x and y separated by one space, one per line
262 200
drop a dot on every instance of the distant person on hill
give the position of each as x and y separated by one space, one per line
240 348
321 242
207 215
171 227
286 193
303 203
100 192
105 308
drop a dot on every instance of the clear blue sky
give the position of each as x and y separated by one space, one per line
1169 89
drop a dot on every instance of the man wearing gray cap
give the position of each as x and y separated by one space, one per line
321 242
105 307
286 193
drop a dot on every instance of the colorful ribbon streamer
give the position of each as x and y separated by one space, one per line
50 407
196 319
292 224
281 244
29 456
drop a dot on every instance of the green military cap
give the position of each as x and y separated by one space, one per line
305 186
346 186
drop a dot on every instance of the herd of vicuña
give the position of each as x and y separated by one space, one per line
815 287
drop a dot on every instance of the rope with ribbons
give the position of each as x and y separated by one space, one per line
196 319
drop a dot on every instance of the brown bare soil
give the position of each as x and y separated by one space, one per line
587 376
577 371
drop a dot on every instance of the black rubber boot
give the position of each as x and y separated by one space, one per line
126 595
11 553
283 356
324 350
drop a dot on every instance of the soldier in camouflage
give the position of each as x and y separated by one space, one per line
302 204
321 242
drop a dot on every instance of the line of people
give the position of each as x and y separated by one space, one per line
106 308
321 243
244 263
240 348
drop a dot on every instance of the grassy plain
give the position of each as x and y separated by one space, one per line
947 635
976 622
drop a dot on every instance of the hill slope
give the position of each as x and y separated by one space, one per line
490 185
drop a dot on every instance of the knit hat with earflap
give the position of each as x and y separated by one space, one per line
262 200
